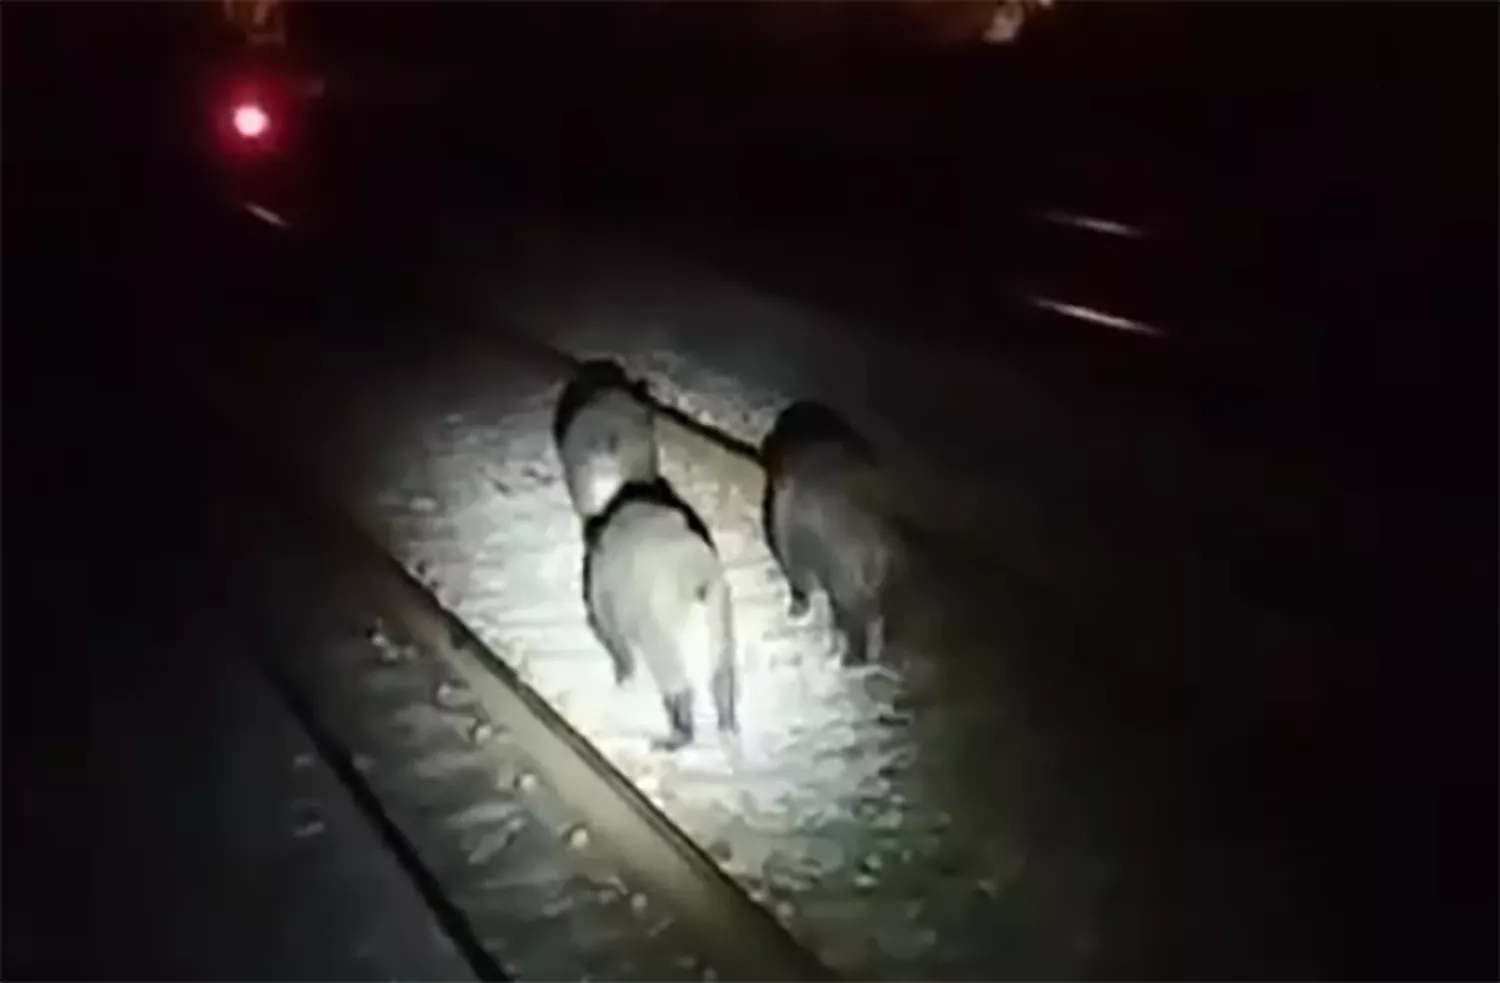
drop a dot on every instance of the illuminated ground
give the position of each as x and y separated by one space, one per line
976 806
824 803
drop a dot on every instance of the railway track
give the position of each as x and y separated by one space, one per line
836 825
852 823
540 858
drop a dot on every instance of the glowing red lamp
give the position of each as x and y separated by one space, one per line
250 120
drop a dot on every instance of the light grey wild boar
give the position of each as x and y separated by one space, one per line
605 433
655 592
825 523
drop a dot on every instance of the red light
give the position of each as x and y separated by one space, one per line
250 121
